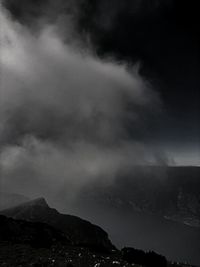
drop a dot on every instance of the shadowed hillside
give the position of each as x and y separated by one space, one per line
79 231
24 243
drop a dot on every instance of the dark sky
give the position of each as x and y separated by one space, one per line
164 37
160 36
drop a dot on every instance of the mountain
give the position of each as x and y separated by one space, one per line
34 234
8 200
79 231
169 192
24 243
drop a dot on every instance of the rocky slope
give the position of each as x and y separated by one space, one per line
24 244
29 233
79 231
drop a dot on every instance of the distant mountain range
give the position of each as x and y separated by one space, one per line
155 208
169 192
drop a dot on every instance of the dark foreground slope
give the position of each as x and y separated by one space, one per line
79 231
28 233
24 244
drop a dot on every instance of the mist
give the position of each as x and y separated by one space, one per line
64 113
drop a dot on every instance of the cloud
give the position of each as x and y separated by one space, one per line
41 168
64 112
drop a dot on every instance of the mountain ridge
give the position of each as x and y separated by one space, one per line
79 231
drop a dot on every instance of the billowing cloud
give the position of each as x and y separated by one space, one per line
64 112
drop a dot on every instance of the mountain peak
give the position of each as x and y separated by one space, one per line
37 202
41 201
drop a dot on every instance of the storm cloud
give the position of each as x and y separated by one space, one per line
65 112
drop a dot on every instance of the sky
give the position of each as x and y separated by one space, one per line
91 87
